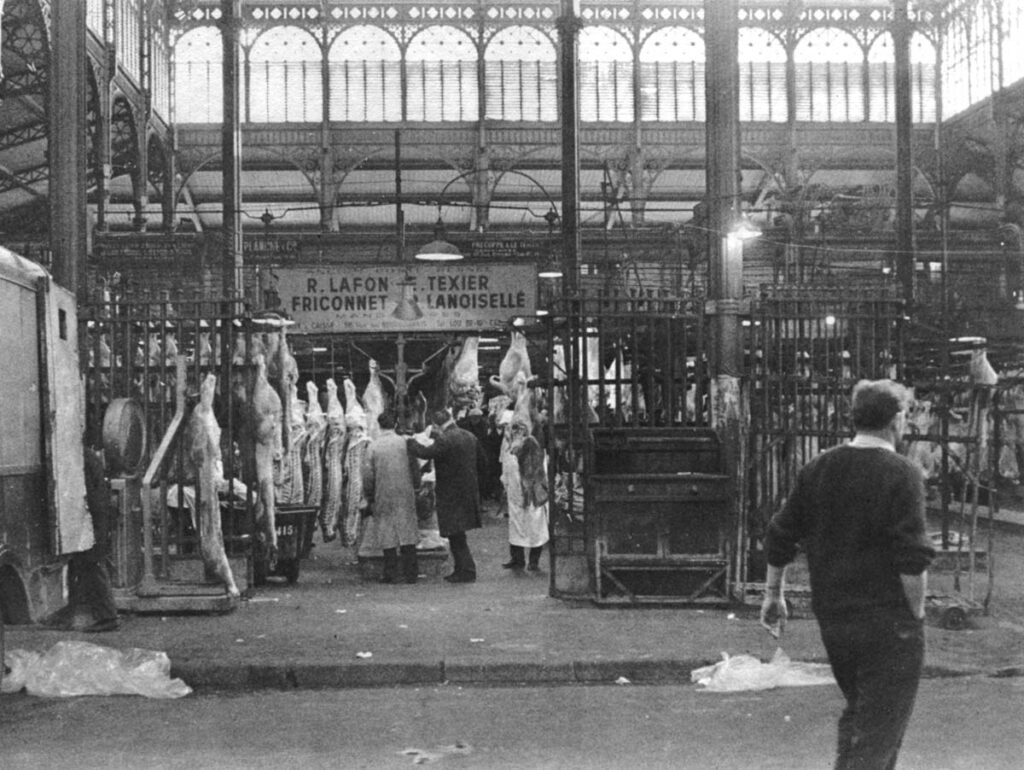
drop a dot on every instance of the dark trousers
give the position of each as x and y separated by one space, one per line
518 555
877 663
403 558
464 564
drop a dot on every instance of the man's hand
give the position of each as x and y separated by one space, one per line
773 611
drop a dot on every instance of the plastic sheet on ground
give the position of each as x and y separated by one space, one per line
745 672
79 668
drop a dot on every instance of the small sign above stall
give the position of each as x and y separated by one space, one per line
410 297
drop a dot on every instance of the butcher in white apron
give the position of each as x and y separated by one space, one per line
523 474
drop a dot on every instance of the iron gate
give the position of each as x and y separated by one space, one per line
639 492
142 357
807 347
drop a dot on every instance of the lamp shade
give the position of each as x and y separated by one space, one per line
439 250
407 310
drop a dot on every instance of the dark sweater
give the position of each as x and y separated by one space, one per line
859 514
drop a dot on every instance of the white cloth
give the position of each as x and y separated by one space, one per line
238 490
527 525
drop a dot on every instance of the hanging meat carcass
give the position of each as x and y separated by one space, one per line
464 392
266 414
559 373
355 447
516 360
290 486
528 451
619 396
373 400
334 458
428 388
282 371
313 452
204 454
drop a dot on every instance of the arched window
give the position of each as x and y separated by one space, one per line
979 71
829 76
881 79
521 76
198 79
364 68
672 76
762 58
1013 42
285 84
605 76
127 35
441 80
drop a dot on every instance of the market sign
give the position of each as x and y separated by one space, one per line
412 297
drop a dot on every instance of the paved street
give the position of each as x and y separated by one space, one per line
968 722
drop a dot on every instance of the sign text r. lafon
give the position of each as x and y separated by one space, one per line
361 298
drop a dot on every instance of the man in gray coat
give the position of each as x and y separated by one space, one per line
455 454
389 486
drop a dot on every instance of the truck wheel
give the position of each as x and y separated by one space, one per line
954 619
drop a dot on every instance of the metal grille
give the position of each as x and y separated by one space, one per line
807 348
130 347
637 364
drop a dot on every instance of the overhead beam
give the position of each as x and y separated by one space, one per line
24 179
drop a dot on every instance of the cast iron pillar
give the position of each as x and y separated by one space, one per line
568 40
67 143
722 188
725 254
901 31
231 149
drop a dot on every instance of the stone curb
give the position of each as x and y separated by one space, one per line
319 676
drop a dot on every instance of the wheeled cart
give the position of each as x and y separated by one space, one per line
294 524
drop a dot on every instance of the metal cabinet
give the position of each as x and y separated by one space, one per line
661 505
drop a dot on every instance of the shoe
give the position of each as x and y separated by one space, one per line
388 579
534 568
459 577
513 565
412 580
110 624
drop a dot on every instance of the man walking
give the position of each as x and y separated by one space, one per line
858 511
455 455
389 486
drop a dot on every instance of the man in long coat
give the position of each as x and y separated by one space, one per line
389 486
455 453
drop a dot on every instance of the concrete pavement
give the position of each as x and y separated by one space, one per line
334 629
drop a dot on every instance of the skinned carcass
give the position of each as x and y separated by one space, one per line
204 453
428 389
464 392
620 392
266 415
530 455
290 484
315 438
282 371
353 501
928 428
334 459
516 360
373 400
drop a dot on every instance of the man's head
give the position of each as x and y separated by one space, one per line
440 417
386 420
876 402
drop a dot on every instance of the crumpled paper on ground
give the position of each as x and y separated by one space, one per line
72 668
745 672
